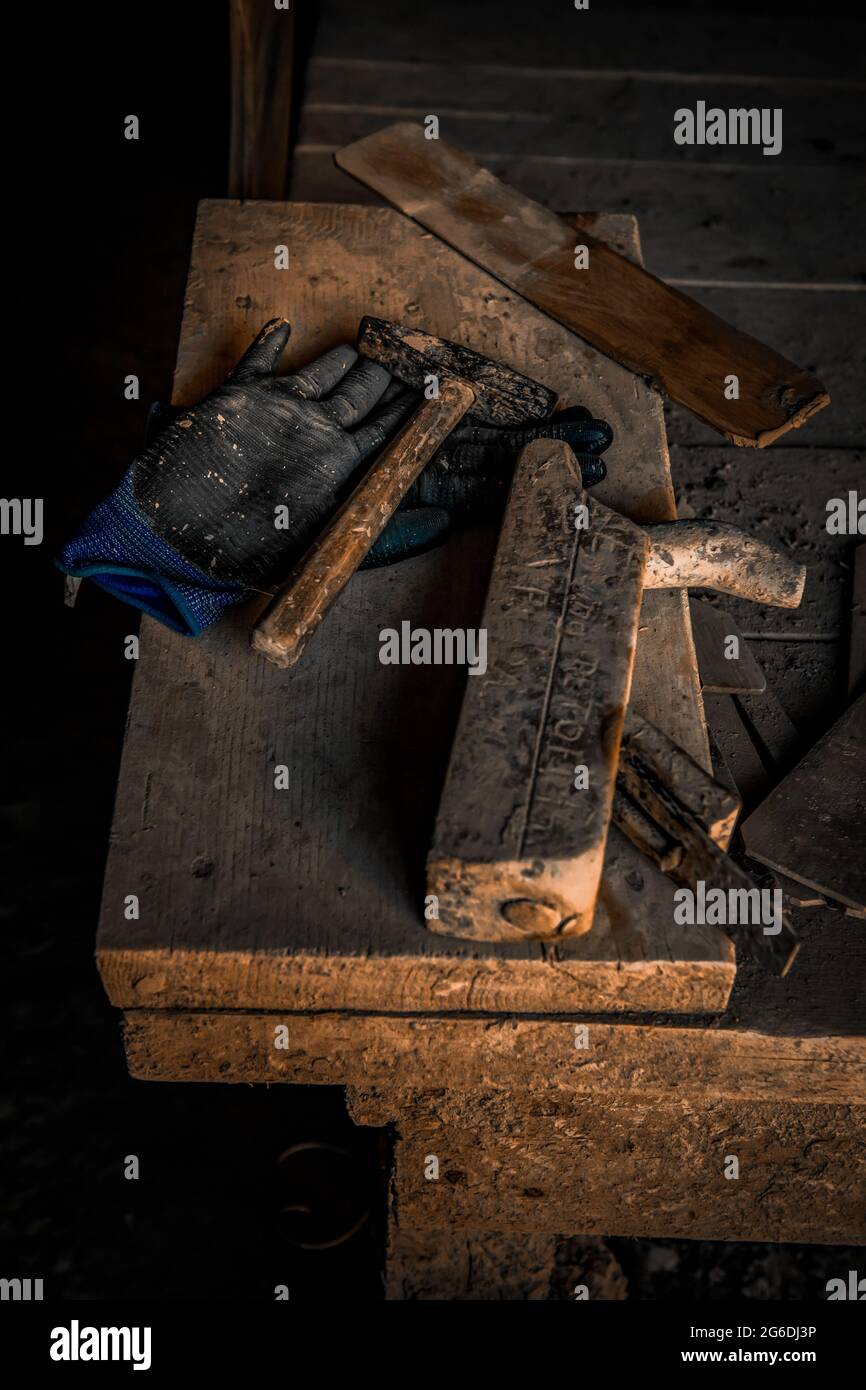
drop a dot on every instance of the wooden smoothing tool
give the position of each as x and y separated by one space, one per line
523 819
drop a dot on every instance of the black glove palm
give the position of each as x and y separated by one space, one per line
240 484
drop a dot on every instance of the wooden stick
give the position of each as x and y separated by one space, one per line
262 44
642 830
290 620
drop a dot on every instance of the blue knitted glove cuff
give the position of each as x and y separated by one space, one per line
116 548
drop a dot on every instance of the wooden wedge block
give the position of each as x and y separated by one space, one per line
720 672
670 340
811 827
696 815
648 753
519 846
714 806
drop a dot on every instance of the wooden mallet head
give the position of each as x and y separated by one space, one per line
502 396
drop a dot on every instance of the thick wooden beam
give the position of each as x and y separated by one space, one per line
262 49
591 1058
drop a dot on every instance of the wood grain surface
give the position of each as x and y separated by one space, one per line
581 1057
640 1167
724 668
305 600
253 897
262 58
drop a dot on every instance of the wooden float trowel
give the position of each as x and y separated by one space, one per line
520 836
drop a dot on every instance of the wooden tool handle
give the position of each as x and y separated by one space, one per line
289 621
716 555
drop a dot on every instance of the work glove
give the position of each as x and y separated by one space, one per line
229 494
468 480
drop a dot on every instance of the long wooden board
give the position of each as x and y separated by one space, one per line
692 226
656 331
262 57
591 1057
811 826
312 896
540 114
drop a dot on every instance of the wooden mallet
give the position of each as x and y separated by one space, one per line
465 381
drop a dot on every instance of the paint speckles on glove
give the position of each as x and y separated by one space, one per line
228 495
213 483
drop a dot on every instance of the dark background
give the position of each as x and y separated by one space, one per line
101 229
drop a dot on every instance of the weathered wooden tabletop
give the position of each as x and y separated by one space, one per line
263 909
311 897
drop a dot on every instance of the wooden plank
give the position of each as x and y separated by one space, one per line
612 303
725 667
519 843
811 826
701 861
262 50
252 897
826 331
857 632
762 743
649 1167
692 226
594 1057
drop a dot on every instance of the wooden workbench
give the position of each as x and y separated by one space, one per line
261 908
